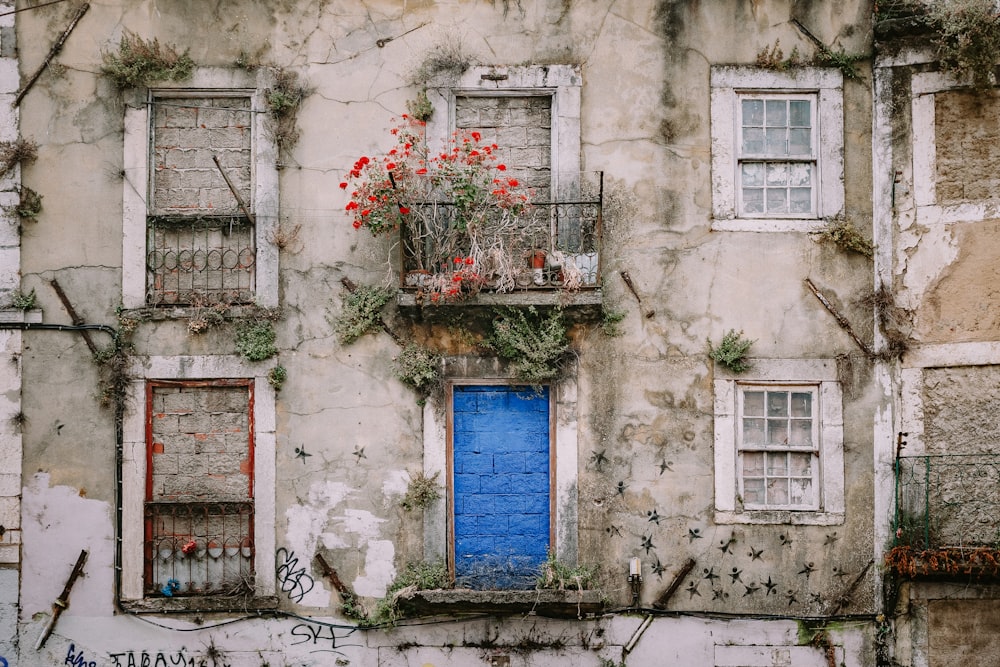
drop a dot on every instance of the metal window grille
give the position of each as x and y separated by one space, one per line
201 260
199 549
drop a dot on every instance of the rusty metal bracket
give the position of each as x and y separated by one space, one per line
661 602
841 320
61 602
72 313
56 48
346 594
631 287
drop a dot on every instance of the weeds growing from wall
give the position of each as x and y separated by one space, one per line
283 101
418 367
442 63
732 351
420 107
16 152
559 576
536 345
420 492
255 340
773 58
414 577
30 204
23 300
845 235
361 313
139 62
276 377
967 38
611 322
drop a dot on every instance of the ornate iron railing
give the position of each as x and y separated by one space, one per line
199 260
948 500
544 245
199 549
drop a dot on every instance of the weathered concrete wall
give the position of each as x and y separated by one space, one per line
349 435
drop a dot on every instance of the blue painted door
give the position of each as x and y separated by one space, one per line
500 449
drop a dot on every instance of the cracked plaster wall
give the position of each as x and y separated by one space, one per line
645 399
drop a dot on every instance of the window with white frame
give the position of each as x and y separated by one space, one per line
198 470
200 194
779 444
777 148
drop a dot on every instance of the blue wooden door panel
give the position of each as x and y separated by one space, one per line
500 447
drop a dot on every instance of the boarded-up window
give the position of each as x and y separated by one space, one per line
199 489
200 246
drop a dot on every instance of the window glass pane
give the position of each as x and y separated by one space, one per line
777 492
801 404
753 140
777 432
777 404
800 465
753 174
753 464
753 200
777 173
799 200
801 433
777 464
800 173
777 201
801 492
753 113
776 113
799 142
753 491
753 403
777 141
753 431
798 113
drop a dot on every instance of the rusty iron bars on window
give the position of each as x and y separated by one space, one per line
566 231
947 500
200 260
203 548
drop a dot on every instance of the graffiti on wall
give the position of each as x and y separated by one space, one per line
321 637
162 659
293 579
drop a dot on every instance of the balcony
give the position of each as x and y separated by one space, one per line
947 519
546 254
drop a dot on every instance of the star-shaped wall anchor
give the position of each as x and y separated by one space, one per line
791 598
598 459
301 453
734 576
359 453
710 574
658 568
614 530
620 489
770 586
665 465
755 554
837 572
647 543
831 538
719 594
694 534
785 540
751 589
808 569
726 545
654 517
693 589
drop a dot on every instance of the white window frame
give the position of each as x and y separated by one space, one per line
730 85
813 449
563 83
134 464
137 158
829 424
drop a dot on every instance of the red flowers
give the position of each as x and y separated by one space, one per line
501 167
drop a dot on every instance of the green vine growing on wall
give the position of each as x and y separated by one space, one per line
536 345
967 37
361 313
255 339
418 367
30 204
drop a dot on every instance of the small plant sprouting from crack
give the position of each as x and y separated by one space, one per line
276 377
420 492
420 107
773 58
847 63
16 152
361 312
139 62
417 367
286 238
255 340
732 351
283 101
444 62
844 234
611 322
23 300
30 204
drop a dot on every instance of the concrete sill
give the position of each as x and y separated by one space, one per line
581 306
549 603
197 605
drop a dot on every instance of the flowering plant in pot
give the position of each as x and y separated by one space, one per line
462 221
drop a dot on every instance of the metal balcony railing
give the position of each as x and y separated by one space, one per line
948 501
545 245
199 549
